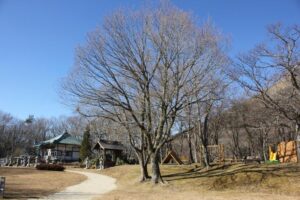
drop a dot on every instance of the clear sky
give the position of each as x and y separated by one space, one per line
38 38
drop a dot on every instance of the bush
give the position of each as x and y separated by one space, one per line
52 167
120 161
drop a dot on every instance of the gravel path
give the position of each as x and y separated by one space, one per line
94 186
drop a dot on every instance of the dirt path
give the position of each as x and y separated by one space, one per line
94 186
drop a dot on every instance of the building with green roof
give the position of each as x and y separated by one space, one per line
63 148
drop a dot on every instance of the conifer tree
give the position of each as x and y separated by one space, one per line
85 149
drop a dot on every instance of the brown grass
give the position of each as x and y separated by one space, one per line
23 183
220 182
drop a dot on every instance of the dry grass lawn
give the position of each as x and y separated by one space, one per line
23 183
267 182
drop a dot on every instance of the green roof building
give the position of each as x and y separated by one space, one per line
63 148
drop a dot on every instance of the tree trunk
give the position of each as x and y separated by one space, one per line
216 139
196 156
156 176
144 172
264 150
189 134
195 147
205 156
205 140
297 130
143 166
191 159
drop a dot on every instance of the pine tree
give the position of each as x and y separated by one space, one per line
85 149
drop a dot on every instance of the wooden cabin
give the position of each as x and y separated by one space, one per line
62 148
108 152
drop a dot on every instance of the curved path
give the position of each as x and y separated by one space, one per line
94 186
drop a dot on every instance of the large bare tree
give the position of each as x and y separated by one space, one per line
139 68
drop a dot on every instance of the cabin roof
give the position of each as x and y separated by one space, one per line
64 138
109 145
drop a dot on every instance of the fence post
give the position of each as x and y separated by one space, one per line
298 148
2 187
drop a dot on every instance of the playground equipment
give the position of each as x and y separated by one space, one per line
272 155
171 158
286 152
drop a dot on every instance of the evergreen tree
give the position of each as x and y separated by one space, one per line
85 149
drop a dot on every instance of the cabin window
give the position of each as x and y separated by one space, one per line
76 149
68 153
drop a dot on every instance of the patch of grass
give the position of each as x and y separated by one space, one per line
272 162
24 183
239 181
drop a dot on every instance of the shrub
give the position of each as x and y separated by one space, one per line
120 161
82 165
94 161
52 167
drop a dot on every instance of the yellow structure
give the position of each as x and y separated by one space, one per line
272 155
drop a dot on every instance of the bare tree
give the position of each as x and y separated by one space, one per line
270 73
135 70
204 111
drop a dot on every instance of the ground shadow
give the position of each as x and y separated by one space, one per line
229 170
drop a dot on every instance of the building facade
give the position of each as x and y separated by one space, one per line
108 152
62 148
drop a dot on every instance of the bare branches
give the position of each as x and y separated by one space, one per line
271 73
141 67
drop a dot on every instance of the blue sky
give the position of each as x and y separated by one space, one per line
38 38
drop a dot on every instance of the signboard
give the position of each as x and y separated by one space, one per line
2 186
